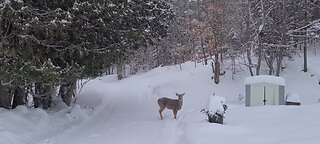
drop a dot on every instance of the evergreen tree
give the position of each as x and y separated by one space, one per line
46 44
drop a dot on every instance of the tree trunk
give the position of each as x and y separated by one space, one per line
109 71
20 95
120 71
249 61
204 53
279 65
221 66
246 39
212 66
270 61
5 97
216 68
37 95
233 61
66 91
270 70
279 60
43 94
259 57
305 57
47 98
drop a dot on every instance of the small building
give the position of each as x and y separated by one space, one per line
264 90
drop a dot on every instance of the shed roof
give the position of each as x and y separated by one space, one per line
265 79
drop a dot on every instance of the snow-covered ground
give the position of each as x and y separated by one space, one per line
126 112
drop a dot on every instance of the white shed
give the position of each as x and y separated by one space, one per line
264 90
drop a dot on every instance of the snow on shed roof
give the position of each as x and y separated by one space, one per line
265 79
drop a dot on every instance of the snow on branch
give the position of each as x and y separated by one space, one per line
276 45
7 83
304 28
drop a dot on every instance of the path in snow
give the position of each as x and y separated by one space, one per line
126 114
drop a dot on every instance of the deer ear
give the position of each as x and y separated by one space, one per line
177 94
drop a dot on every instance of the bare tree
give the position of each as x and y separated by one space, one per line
208 28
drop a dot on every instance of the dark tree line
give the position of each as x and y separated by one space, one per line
46 45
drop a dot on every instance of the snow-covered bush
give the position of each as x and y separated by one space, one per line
216 109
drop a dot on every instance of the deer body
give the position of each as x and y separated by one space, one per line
173 104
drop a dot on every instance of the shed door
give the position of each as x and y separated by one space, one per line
262 95
257 94
270 94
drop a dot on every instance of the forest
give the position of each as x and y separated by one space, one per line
47 47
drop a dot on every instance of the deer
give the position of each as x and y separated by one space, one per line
173 104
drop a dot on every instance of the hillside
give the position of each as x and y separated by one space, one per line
120 112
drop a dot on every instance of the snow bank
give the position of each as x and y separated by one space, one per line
23 125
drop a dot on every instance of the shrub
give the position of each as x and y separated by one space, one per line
216 109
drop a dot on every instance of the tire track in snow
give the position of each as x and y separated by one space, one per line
174 135
172 131
87 127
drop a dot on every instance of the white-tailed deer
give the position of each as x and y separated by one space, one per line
173 104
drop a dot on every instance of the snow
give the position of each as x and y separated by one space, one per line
19 1
265 79
260 27
293 97
24 125
216 104
126 112
6 2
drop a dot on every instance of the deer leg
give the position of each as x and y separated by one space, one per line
175 114
160 112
